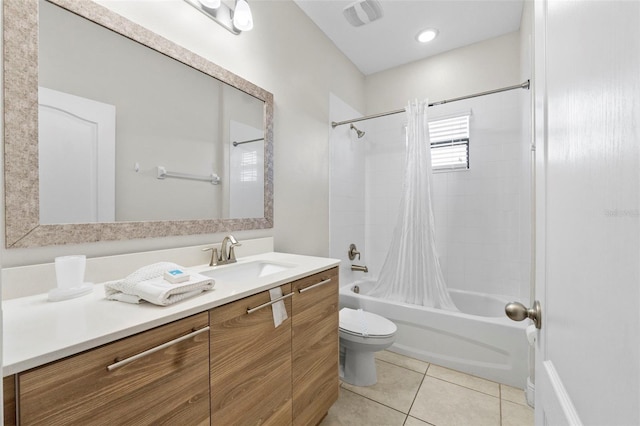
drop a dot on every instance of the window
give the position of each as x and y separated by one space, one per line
450 143
249 167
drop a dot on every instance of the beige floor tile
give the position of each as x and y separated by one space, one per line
466 380
412 421
396 386
354 410
516 414
403 361
445 404
509 393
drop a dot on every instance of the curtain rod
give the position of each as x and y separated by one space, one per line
524 85
235 143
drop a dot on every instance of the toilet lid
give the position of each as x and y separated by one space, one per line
359 322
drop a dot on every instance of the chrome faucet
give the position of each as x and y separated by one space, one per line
359 268
230 255
226 256
353 252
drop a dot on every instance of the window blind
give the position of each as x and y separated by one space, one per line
249 167
450 143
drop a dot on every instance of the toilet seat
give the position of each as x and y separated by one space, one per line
357 322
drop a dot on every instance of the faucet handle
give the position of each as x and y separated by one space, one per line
214 255
353 252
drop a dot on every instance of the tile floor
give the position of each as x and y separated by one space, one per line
415 393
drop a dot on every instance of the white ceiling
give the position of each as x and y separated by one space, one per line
391 40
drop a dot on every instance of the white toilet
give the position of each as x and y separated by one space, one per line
362 334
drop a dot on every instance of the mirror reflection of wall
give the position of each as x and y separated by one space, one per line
167 114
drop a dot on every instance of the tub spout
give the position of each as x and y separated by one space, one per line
359 268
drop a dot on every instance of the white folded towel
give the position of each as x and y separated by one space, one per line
279 309
148 284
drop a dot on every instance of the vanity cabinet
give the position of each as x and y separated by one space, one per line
315 346
158 376
251 362
228 365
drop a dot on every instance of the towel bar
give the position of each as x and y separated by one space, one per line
163 173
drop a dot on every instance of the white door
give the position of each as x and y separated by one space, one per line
77 158
587 88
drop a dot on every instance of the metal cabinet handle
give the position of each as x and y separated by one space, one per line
264 305
518 312
302 290
155 349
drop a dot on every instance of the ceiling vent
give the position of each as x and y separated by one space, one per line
363 12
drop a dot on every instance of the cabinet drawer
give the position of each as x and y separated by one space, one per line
315 346
164 379
250 363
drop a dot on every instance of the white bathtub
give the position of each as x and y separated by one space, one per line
479 340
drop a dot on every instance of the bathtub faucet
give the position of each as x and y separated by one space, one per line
359 268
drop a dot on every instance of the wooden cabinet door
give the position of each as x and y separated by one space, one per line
9 395
315 346
167 384
250 363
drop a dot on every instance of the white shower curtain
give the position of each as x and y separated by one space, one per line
411 272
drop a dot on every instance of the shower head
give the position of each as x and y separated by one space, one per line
359 132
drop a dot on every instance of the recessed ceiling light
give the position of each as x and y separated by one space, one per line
427 35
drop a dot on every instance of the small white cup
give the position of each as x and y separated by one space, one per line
70 270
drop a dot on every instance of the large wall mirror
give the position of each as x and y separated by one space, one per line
113 132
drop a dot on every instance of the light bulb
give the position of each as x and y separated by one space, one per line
427 35
211 4
242 18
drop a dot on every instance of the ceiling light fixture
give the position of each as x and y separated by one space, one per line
235 20
242 18
211 4
426 36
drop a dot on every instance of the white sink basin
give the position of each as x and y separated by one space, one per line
238 272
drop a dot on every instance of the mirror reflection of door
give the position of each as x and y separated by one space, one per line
76 158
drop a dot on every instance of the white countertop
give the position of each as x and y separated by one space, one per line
37 331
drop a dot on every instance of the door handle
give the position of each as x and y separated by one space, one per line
518 312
